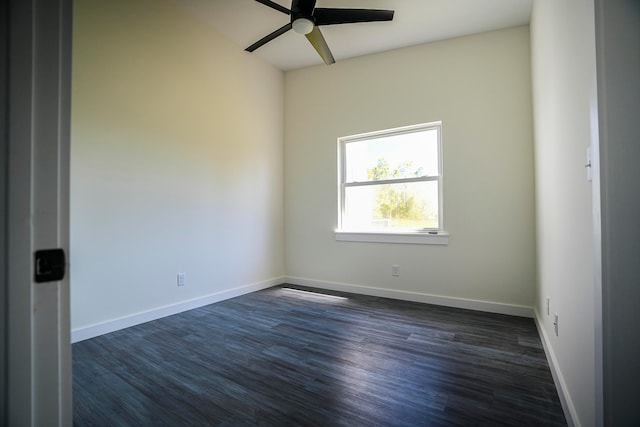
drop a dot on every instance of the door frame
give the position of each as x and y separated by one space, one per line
4 142
38 345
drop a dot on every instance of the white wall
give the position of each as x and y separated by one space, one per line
177 161
479 86
563 75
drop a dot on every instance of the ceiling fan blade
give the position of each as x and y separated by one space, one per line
317 40
324 16
274 5
302 7
280 31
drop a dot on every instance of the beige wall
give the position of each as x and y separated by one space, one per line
176 162
479 86
563 74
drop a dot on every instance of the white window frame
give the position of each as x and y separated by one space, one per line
429 236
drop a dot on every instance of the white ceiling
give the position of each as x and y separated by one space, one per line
415 22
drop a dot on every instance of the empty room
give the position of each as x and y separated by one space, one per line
190 155
364 212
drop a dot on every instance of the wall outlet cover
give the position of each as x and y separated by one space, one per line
395 270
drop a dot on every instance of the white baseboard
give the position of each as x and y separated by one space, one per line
102 328
565 399
487 306
92 331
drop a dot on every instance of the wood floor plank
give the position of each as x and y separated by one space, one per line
303 357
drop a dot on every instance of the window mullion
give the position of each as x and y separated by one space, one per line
391 181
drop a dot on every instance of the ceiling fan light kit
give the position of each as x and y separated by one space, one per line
306 18
302 26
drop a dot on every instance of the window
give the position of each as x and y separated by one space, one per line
391 184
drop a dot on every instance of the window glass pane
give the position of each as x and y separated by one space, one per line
405 155
391 206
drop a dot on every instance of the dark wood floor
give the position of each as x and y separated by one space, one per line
285 357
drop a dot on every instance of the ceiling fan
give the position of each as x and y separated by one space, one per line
306 18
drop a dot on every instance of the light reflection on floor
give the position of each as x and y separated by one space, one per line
313 296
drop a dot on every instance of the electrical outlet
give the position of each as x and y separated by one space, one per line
395 270
548 305
182 279
555 323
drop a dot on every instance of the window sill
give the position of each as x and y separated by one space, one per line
407 237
